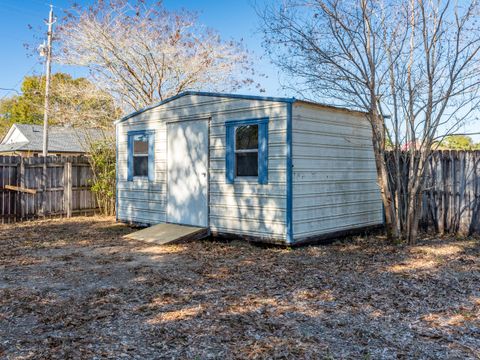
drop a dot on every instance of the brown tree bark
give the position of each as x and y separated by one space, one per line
378 140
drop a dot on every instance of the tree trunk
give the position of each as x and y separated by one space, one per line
378 140
382 178
415 192
413 219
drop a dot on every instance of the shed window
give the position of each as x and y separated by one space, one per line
246 150
140 154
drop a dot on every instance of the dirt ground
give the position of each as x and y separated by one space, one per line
75 289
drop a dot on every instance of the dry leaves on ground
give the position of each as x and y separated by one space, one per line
75 289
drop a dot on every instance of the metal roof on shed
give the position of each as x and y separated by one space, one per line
234 96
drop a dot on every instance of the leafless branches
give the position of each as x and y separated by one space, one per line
417 61
80 103
143 53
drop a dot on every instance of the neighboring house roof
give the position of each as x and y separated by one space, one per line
26 137
235 96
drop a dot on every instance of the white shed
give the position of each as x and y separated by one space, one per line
277 170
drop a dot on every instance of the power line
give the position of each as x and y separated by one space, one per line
19 81
10 89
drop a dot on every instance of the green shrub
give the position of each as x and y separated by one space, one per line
102 160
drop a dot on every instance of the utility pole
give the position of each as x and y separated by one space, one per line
48 68
47 52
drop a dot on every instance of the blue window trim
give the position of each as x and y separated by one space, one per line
262 148
151 154
289 189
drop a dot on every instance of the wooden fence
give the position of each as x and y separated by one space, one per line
67 188
450 203
451 200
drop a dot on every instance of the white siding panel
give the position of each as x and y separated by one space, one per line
247 189
337 223
334 174
141 201
244 208
331 175
337 210
230 224
306 151
335 187
350 164
314 200
275 164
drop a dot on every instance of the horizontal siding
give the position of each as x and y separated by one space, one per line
334 173
340 175
339 151
334 187
312 213
150 204
334 224
235 225
318 200
360 164
140 200
272 189
139 216
244 208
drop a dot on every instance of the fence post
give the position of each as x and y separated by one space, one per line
20 195
440 188
67 187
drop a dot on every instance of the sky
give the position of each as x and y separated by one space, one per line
231 19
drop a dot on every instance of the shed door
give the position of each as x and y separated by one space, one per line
187 154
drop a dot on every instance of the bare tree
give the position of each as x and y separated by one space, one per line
437 84
81 104
417 61
334 51
142 53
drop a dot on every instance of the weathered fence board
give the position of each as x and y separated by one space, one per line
67 190
451 199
